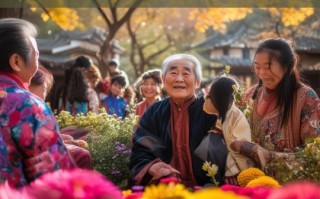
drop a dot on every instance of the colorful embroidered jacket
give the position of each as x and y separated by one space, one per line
115 105
303 123
28 129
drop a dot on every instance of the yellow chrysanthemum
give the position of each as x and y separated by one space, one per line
215 193
264 181
249 174
166 191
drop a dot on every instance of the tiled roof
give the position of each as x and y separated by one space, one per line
308 44
220 40
226 60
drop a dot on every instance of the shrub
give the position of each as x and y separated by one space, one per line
109 141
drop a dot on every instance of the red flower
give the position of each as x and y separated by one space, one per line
252 192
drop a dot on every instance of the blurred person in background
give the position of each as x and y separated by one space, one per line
40 85
149 86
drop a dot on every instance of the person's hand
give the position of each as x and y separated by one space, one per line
43 162
161 169
236 146
252 150
231 180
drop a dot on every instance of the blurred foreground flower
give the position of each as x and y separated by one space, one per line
166 191
297 190
251 192
73 184
215 193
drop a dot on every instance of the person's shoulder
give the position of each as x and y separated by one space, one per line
141 103
305 90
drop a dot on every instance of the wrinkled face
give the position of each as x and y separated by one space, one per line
27 70
270 73
180 80
116 89
150 89
208 106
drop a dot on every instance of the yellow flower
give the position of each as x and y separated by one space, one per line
126 192
317 140
264 181
249 174
166 191
215 193
212 171
206 166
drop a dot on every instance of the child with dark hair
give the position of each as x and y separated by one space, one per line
81 98
41 82
114 103
234 125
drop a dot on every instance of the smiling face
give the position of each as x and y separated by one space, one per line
150 89
180 80
269 71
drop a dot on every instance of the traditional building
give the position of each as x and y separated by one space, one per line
236 48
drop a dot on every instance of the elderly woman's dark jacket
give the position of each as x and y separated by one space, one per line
152 140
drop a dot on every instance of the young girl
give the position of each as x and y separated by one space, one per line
232 121
81 98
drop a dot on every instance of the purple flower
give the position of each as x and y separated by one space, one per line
115 172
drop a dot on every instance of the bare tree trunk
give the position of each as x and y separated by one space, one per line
114 23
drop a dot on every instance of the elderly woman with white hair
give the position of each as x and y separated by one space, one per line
170 130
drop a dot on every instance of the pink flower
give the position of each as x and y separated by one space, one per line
73 184
297 190
252 192
7 192
169 179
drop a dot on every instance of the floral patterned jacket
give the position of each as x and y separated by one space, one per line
303 123
28 128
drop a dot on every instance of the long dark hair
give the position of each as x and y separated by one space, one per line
221 94
280 50
78 86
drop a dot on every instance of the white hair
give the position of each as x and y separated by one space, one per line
188 57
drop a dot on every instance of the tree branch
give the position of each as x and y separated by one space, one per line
103 14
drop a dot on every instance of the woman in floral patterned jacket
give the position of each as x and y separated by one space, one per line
285 112
31 143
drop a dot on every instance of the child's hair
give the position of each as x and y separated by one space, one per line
42 76
121 80
221 94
